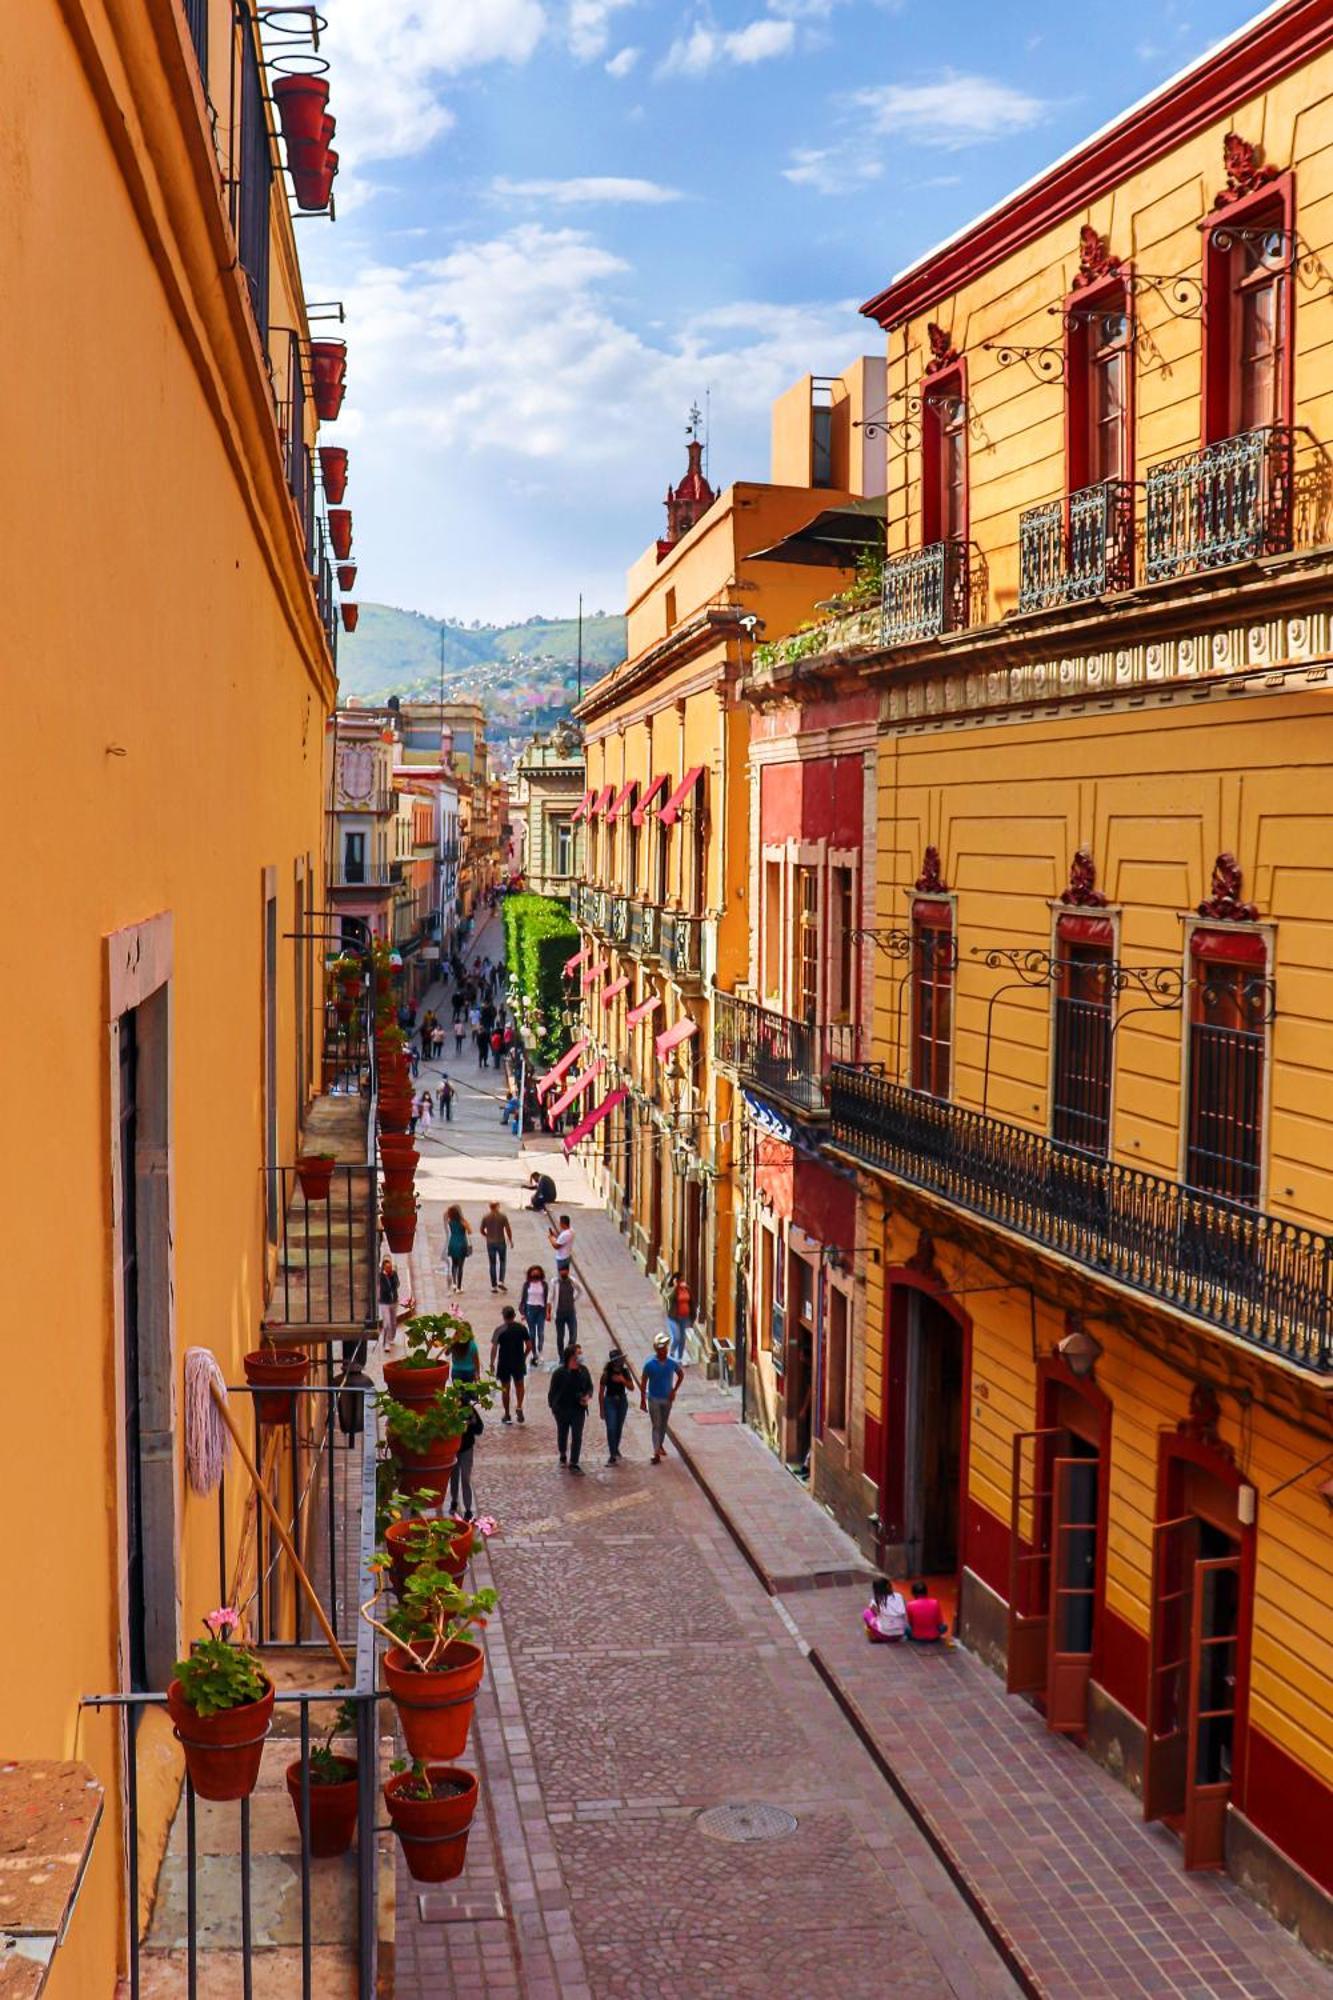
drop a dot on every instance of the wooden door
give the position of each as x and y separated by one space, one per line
1073 1571
1166 1746
1030 1562
1214 1641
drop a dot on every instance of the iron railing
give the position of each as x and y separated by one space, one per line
328 1259
326 1455
617 919
365 875
1228 503
926 593
682 944
1266 1280
651 946
786 1059
196 20
252 186
1077 549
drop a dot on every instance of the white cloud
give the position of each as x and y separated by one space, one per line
705 48
590 26
954 110
388 63
587 188
622 62
832 169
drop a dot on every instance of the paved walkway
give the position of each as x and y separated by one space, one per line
641 1671
639 1674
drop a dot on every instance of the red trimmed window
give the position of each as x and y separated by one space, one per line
1247 315
932 996
1228 1055
1099 371
944 459
1081 1083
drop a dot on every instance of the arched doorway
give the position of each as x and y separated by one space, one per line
922 1471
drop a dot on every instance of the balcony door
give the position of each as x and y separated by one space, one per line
1057 1546
923 1436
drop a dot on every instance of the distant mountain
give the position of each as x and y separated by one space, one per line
525 674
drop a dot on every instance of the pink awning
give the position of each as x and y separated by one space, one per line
671 810
671 1038
573 964
620 801
617 986
593 1119
581 809
576 1090
601 802
591 973
643 1010
658 785
566 1062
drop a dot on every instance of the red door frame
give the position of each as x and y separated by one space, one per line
1053 1374
1176 1452
899 1279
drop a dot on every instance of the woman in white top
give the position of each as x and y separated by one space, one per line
885 1617
534 1303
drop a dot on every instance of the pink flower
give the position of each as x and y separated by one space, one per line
222 1622
487 1525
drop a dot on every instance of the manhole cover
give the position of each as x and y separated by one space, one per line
746 1822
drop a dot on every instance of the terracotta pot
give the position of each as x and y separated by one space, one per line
222 1752
398 1149
433 1831
415 1388
345 1008
333 469
398 1218
401 1564
425 1471
392 1119
302 102
328 365
350 612
435 1709
352 984
332 1809
340 531
266 1368
315 1176
346 571
398 1180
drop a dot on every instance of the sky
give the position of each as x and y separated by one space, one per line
562 222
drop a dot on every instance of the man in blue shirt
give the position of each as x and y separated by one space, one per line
658 1383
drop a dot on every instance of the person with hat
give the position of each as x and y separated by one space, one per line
659 1383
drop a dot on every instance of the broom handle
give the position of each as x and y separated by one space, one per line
267 1464
275 1522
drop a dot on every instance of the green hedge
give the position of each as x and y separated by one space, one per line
539 937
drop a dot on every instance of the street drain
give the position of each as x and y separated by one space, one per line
746 1822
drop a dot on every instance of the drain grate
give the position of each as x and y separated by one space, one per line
746 1822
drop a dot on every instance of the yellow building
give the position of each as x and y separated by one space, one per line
165 631
1091 1385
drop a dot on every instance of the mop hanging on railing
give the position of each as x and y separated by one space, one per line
209 1434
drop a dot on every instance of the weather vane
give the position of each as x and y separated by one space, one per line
696 418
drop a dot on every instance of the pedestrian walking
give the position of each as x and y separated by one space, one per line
483 1049
658 1387
464 1356
425 1113
562 1242
446 1095
534 1301
497 1046
460 1035
460 1472
456 1006
613 1401
511 1350
498 1236
457 1244
390 1285
568 1398
567 1294
437 1041
680 1312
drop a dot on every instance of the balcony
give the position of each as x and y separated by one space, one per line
651 930
1229 503
366 875
789 1061
682 946
1267 1281
1070 552
926 592
617 919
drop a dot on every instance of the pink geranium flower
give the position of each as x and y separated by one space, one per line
487 1525
223 1622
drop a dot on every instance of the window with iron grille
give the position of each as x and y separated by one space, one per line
253 177
1081 1084
1228 1055
932 997
1247 312
805 967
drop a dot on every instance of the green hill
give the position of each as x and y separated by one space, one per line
524 673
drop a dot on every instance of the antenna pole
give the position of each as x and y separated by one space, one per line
580 654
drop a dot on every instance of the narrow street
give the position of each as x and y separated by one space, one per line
638 1675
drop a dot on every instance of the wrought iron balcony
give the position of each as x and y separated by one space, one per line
366 875
1228 503
1077 549
787 1060
682 945
651 946
617 919
1268 1281
926 593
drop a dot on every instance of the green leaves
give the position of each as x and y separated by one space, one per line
539 937
218 1676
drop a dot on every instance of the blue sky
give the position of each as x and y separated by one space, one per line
562 221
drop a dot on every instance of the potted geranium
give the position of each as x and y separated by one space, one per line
221 1702
398 1214
431 1670
315 1173
424 1369
413 1541
333 1789
424 1442
431 1807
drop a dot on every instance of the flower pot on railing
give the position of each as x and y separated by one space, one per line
340 531
398 1215
398 1540
328 366
350 612
314 164
333 468
332 1806
433 1829
415 1387
394 1118
302 103
346 571
315 1173
222 1751
272 1372
344 1008
435 1707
